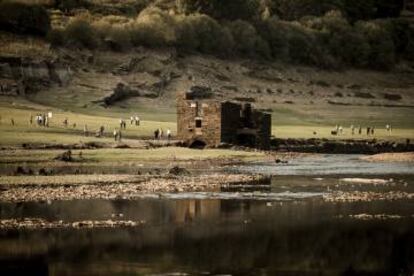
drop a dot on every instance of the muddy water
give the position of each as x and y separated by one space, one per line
284 229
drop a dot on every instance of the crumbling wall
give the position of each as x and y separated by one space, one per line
188 111
230 122
263 122
221 122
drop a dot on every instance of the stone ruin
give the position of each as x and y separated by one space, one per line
202 121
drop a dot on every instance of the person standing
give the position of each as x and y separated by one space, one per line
359 130
85 130
31 119
137 121
352 129
368 131
168 134
115 135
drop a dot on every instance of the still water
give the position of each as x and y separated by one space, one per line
284 229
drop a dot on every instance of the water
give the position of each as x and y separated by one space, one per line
283 229
328 164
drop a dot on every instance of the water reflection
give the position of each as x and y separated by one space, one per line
239 237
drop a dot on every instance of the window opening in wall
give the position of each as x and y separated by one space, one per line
198 123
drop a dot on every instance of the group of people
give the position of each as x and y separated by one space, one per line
135 120
159 134
40 119
339 130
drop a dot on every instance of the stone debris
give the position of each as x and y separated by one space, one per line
121 188
179 171
39 223
65 156
366 196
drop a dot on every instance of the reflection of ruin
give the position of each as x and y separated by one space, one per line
187 210
205 122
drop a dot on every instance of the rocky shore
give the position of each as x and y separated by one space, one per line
50 188
38 223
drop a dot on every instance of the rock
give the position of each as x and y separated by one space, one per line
392 97
65 156
43 171
121 92
20 170
179 171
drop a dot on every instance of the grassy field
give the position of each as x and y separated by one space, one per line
287 123
165 154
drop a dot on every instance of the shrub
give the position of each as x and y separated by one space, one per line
274 32
229 10
153 27
56 37
186 33
24 19
79 33
382 50
246 39
210 36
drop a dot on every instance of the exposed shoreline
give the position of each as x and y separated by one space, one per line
50 188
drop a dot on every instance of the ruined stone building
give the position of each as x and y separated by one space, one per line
206 122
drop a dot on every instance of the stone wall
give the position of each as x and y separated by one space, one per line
263 122
221 122
230 122
189 111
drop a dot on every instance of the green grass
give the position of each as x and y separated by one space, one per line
117 156
288 122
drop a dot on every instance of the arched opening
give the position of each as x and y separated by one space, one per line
247 140
197 144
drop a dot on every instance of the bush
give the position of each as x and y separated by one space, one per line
153 27
228 10
206 34
274 32
56 37
247 41
24 19
382 50
79 33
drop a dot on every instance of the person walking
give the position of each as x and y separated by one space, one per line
368 131
359 130
352 130
156 134
137 121
31 120
168 134
115 133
